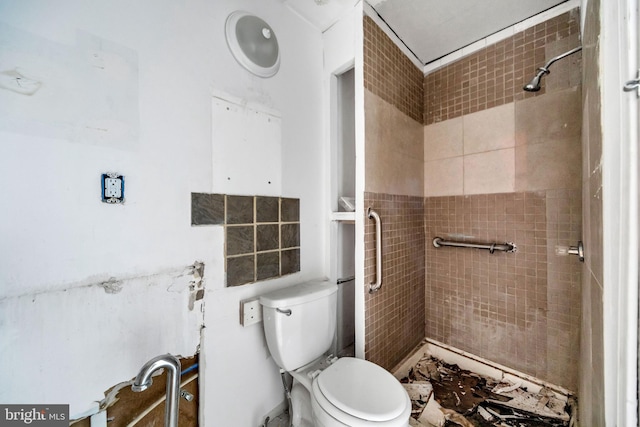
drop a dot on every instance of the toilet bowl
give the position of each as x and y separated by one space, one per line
299 324
356 393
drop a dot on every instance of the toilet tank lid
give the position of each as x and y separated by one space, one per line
298 294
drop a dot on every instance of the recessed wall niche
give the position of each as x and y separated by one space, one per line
262 234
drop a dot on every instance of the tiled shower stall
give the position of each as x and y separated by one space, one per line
499 165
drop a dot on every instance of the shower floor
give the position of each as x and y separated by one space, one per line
473 393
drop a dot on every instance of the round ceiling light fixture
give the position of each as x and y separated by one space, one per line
253 43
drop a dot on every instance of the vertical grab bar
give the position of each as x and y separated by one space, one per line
374 287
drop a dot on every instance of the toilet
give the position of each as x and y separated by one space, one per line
299 324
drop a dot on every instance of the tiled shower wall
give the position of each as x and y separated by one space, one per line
499 165
395 313
592 333
495 75
519 309
389 74
502 165
394 316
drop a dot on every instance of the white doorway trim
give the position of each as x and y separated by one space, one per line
619 62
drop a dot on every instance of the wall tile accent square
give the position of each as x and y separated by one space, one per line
267 209
207 209
290 261
254 249
267 265
267 237
239 209
240 239
289 210
240 270
290 235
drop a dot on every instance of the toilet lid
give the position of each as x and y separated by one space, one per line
362 389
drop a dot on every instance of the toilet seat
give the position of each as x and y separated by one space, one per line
357 393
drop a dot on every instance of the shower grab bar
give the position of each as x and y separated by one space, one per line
492 247
374 287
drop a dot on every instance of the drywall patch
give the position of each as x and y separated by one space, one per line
15 80
86 93
247 142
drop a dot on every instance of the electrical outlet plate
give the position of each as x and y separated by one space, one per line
250 312
112 188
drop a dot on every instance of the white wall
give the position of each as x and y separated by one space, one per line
619 64
67 338
242 383
343 44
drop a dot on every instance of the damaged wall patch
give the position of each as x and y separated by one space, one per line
111 286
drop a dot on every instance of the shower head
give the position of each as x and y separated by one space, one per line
534 84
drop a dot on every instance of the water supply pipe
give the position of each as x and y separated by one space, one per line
143 381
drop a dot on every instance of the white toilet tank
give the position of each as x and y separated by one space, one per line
299 322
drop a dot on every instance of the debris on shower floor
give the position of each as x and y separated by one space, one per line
281 420
446 395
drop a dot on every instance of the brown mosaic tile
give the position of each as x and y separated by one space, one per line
519 309
496 74
389 74
394 316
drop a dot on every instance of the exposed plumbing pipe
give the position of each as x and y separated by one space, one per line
143 381
287 393
146 412
189 369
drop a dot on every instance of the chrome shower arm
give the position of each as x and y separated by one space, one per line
559 57
534 84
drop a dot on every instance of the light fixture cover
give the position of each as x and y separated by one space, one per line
253 43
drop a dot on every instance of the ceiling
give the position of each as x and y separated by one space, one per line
432 28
